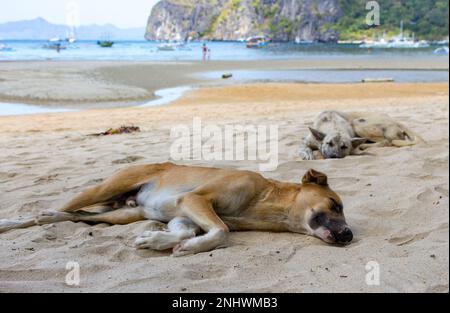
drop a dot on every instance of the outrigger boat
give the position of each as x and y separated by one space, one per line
258 42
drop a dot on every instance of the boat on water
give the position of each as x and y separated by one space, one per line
5 48
105 43
168 47
55 44
300 41
258 42
441 51
172 46
350 42
398 42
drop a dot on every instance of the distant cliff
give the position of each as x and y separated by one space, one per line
289 20
284 20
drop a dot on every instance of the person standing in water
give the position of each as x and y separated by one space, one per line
205 52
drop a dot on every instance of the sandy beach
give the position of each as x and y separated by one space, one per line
396 200
106 84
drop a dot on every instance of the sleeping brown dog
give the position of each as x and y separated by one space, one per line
201 206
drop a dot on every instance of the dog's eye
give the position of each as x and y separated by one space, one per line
331 144
338 208
318 220
344 147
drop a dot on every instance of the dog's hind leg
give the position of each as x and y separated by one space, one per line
7 225
380 144
180 228
118 217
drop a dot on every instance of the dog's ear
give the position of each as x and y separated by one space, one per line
317 134
356 142
314 177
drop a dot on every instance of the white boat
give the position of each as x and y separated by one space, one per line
5 48
70 35
172 46
55 44
442 42
398 42
300 41
378 44
441 51
167 47
258 42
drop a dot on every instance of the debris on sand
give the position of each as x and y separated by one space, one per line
119 131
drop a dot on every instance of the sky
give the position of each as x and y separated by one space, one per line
122 13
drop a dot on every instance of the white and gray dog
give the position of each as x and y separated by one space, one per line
337 135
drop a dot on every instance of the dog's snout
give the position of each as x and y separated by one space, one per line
346 236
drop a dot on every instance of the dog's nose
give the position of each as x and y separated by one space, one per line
346 236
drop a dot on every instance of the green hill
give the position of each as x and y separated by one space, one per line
289 20
428 19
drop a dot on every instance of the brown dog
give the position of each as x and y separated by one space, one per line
208 202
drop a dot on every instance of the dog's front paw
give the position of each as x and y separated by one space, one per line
183 249
307 155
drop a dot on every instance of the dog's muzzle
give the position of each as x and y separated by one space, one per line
345 236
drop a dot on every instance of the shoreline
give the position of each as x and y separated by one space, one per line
209 102
106 84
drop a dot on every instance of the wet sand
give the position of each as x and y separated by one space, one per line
107 84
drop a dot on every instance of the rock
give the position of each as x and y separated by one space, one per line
283 20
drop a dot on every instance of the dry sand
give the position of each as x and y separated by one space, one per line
397 201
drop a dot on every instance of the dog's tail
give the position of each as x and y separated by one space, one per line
412 139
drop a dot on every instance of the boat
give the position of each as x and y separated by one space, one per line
5 48
55 44
398 42
71 35
377 44
300 41
172 46
105 43
258 42
441 51
443 42
167 47
351 42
